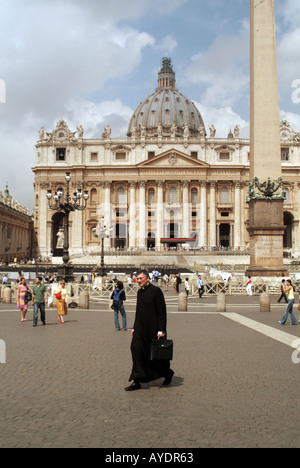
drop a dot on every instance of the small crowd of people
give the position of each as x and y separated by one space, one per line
38 296
287 291
288 294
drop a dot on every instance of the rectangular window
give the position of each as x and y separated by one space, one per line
94 157
285 154
121 156
224 156
60 154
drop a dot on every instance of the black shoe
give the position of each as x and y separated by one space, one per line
169 378
134 386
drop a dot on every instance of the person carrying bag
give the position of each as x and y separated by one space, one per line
118 297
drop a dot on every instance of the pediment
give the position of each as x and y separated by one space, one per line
173 158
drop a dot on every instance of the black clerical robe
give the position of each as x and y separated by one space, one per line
151 317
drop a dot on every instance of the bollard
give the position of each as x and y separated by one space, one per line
265 303
7 296
182 302
221 302
84 300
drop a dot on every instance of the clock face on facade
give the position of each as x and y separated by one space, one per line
61 135
284 134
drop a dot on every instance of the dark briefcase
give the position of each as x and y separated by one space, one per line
161 350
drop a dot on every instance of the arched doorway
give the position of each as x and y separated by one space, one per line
151 241
288 235
57 224
224 235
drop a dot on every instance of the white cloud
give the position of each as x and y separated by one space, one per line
224 119
53 54
167 45
223 70
95 116
292 118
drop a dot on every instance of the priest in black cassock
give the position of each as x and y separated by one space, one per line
150 323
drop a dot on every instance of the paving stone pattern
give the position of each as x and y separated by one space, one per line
63 385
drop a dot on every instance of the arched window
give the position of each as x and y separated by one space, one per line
224 195
121 199
194 195
93 196
287 196
173 195
151 196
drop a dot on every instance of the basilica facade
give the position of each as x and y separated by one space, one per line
169 184
16 230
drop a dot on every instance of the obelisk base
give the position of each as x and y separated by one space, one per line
266 231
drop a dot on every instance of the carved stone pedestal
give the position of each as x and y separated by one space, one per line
266 231
65 272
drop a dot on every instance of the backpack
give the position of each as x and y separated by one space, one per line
28 297
117 302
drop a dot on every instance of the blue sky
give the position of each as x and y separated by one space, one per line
91 62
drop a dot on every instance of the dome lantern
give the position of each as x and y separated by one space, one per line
166 76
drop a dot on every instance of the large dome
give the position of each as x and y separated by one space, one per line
167 111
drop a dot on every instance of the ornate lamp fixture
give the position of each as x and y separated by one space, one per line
64 203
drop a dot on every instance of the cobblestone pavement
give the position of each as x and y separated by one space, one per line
63 385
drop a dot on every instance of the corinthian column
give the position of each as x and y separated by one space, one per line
237 214
142 218
132 215
185 210
159 214
212 215
107 210
203 216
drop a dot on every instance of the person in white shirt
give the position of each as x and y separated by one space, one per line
187 286
200 286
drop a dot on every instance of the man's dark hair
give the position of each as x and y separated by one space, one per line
143 272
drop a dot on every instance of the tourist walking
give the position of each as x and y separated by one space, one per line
187 286
174 283
178 282
200 286
289 290
118 297
22 301
62 300
283 295
150 324
166 282
249 286
39 301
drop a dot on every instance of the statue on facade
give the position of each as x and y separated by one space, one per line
212 131
41 133
60 239
236 131
80 131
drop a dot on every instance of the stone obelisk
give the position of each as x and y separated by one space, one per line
266 226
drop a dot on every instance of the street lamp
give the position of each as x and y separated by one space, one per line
102 232
64 203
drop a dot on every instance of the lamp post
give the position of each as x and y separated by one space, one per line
102 231
64 203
